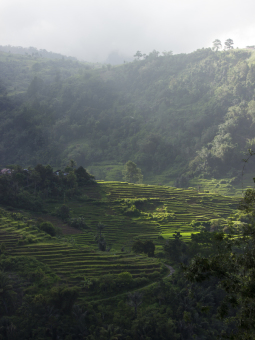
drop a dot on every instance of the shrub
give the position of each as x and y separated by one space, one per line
27 201
160 255
78 223
138 247
132 211
63 212
2 248
125 276
140 281
48 228
21 242
31 239
154 275
64 297
147 247
195 224
102 244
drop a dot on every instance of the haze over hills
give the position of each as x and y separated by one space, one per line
176 116
87 259
32 51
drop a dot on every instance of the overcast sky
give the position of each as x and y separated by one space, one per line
92 29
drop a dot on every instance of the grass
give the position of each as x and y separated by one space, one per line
133 212
228 186
129 212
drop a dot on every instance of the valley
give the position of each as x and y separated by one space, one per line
114 251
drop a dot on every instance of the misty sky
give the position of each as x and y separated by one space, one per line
92 29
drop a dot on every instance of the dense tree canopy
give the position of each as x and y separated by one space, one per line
232 262
186 114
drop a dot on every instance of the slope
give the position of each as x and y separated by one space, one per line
173 115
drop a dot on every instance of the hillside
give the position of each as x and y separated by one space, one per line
177 116
64 284
128 212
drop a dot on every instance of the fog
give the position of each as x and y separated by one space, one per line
100 30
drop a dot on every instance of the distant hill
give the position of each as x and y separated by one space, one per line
33 51
177 116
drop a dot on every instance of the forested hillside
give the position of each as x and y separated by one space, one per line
176 116
81 259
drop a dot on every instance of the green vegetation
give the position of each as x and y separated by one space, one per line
102 269
30 188
131 173
103 260
178 117
231 260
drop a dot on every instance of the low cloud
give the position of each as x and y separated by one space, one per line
98 30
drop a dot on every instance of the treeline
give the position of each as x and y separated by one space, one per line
167 310
28 188
33 51
187 114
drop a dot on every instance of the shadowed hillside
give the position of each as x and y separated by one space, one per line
177 116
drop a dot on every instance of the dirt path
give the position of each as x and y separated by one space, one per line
171 269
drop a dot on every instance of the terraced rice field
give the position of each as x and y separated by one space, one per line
161 211
129 212
70 262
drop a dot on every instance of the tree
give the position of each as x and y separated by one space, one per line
63 297
110 332
72 163
174 248
83 177
135 299
99 237
35 87
36 178
149 248
153 55
138 55
217 45
167 53
2 248
63 212
48 228
71 180
232 262
229 44
138 247
100 228
131 173
7 294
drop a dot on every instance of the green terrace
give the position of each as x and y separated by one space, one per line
128 211
71 263
132 211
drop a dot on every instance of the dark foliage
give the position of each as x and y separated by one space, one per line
147 247
48 228
29 188
189 114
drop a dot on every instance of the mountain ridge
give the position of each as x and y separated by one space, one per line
188 114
